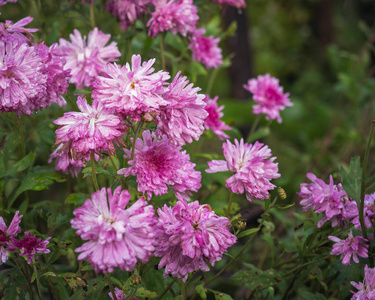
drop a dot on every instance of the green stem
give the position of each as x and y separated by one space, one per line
37 280
167 289
137 130
161 39
113 163
112 289
253 127
229 205
306 264
183 290
27 279
22 137
92 16
211 80
94 179
363 182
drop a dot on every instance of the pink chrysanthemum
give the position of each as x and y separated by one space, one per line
188 236
159 165
6 233
120 295
183 118
30 245
367 287
205 49
269 96
64 163
329 199
16 31
213 121
235 3
94 129
117 237
368 213
127 11
179 16
352 246
131 90
87 62
253 168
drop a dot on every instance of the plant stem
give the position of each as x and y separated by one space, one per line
183 290
94 179
22 137
112 289
113 163
37 280
167 288
92 16
253 127
229 205
161 39
211 80
137 129
306 264
27 279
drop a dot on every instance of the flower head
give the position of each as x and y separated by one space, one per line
117 237
188 236
87 61
252 165
176 16
183 118
205 49
213 121
65 163
16 31
269 96
6 233
159 165
118 293
367 287
368 213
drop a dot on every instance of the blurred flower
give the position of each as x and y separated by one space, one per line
253 168
176 16
131 90
269 96
188 236
94 129
64 163
127 11
368 212
205 49
213 121
235 3
30 245
6 233
352 246
118 293
367 287
159 165
16 31
87 62
183 118
117 237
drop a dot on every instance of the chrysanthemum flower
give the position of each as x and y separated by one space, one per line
205 49
368 213
159 165
30 245
16 31
87 62
119 294
235 3
213 121
367 287
65 163
269 96
329 199
176 16
131 90
117 237
94 129
352 246
6 233
182 120
127 11
253 168
188 236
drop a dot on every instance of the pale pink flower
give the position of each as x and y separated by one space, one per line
253 168
177 16
269 96
87 61
131 90
182 120
205 49
159 165
118 293
367 287
16 31
117 237
235 3
6 233
65 163
368 212
189 236
213 121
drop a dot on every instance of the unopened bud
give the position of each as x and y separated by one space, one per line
281 192
241 225
149 116
135 279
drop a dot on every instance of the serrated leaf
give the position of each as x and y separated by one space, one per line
351 179
248 232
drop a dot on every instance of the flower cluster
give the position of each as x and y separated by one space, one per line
367 287
189 236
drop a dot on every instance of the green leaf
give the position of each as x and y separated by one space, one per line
201 291
75 281
248 232
19 166
143 293
351 179
220 295
286 206
310 296
76 198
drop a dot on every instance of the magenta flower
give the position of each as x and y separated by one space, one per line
159 165
368 212
131 90
367 287
269 96
188 236
253 168
94 129
87 62
352 246
118 293
205 49
127 11
235 3
179 16
16 31
117 237
329 199
6 233
183 118
30 245
64 163
213 121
